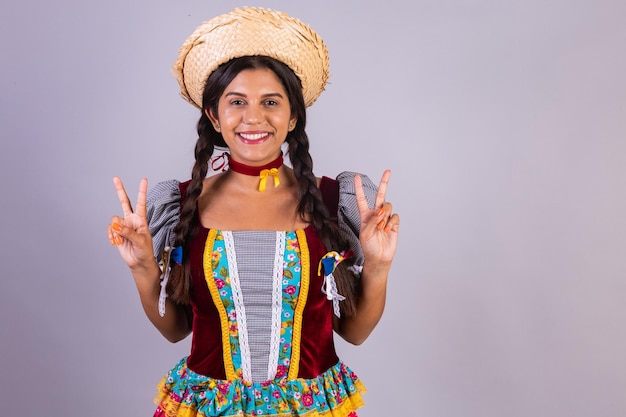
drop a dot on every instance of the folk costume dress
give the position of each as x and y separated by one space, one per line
262 336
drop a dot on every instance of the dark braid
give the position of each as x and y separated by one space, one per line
311 207
312 204
179 285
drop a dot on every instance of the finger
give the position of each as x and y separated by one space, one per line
393 224
361 201
114 237
120 232
385 210
117 231
382 189
141 198
384 215
123 197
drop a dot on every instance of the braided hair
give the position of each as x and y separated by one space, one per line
311 205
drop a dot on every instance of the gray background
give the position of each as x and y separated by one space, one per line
503 123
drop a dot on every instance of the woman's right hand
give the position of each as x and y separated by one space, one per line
132 237
130 233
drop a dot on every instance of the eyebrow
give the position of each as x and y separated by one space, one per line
235 93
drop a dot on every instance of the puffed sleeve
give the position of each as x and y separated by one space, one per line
163 213
348 212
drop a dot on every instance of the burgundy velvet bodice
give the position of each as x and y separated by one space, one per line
317 350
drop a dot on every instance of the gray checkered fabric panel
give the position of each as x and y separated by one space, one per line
163 213
349 218
255 251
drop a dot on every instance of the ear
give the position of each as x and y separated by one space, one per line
213 118
292 123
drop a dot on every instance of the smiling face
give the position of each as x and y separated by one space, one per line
254 116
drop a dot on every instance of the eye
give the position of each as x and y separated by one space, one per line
237 102
271 102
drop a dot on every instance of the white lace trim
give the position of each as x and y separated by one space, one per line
277 305
356 269
242 324
165 275
329 287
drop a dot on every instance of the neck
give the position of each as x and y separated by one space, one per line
254 171
262 172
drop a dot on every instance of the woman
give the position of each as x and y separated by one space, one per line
263 261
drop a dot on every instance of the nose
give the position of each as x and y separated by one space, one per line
253 115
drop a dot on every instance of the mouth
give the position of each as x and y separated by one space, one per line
253 137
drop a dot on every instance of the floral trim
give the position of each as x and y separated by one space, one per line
232 298
305 275
292 275
211 261
184 393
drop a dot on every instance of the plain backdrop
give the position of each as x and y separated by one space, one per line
503 122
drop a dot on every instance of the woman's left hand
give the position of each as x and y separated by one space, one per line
379 240
379 225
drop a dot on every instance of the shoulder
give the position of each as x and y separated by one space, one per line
164 190
342 189
163 211
339 192
346 183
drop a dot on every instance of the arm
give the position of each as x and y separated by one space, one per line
132 237
378 238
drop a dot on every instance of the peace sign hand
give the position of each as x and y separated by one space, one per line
379 227
131 234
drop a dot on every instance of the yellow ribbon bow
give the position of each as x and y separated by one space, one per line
266 173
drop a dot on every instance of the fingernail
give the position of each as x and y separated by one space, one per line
116 226
118 240
387 228
381 224
381 212
112 241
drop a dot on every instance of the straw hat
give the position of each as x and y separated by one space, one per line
252 31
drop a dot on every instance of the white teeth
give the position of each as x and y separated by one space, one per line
253 136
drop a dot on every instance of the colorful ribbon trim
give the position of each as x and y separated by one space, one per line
329 287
